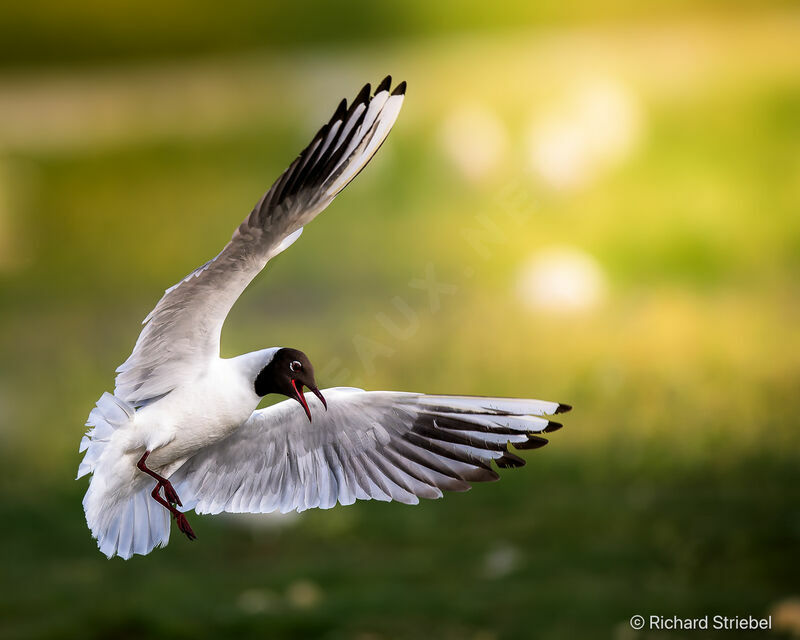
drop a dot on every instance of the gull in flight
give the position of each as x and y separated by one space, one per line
181 430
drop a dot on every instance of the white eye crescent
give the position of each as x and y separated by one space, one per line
295 365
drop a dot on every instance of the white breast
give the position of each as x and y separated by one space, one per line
196 415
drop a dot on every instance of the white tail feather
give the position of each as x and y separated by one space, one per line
120 512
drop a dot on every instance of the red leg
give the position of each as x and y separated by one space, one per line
169 491
170 494
183 523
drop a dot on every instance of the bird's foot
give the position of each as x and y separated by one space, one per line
170 494
183 525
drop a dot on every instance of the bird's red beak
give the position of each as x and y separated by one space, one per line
319 395
302 399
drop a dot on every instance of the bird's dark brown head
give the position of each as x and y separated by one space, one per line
287 373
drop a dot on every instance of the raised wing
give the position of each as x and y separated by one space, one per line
378 445
183 331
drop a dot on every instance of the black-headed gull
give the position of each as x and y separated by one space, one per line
182 432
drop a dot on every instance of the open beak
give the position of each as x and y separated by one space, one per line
317 393
298 390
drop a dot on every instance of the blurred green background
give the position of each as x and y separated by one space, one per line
606 196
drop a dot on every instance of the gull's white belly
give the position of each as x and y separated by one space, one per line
195 416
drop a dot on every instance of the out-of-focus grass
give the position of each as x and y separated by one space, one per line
673 488
47 32
591 540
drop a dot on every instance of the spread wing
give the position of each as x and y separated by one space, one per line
183 331
378 445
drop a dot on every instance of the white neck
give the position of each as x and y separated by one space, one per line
250 364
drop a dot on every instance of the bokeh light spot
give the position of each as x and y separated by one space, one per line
596 126
474 139
561 279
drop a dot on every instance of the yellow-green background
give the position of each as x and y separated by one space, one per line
134 137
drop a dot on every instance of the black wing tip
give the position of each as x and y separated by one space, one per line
533 442
384 85
509 460
478 474
361 99
363 95
552 426
490 476
323 131
341 110
563 408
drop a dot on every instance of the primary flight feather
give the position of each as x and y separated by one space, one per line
181 430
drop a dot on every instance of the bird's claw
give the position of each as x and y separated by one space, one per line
170 494
183 526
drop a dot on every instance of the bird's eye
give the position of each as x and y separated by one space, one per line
296 365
